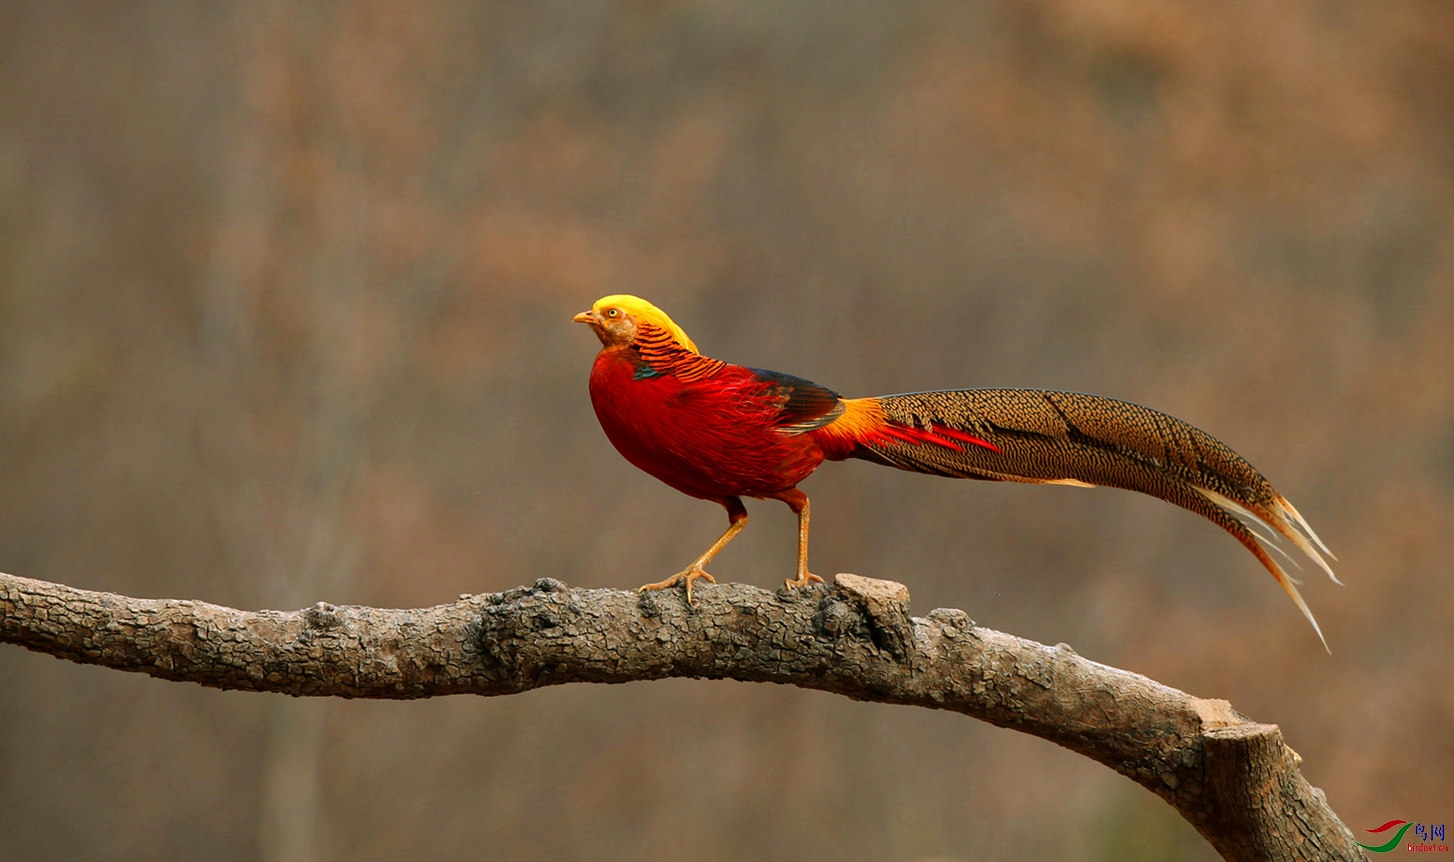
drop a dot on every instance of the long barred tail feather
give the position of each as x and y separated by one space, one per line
1050 437
1288 583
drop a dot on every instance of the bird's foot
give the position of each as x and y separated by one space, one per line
691 574
802 580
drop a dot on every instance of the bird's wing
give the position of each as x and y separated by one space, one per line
803 404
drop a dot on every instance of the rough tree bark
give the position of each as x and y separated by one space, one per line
1233 778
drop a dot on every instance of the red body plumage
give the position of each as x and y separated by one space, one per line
713 437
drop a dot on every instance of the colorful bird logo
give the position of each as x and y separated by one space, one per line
1392 842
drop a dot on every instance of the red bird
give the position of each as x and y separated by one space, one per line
722 432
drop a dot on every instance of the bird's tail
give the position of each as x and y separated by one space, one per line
1039 436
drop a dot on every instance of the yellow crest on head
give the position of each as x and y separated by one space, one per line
644 312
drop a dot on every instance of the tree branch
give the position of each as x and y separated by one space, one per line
1231 777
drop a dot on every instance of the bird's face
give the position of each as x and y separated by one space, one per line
614 325
616 318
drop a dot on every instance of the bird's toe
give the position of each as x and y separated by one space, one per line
683 577
802 580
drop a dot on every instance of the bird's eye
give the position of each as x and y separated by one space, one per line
613 312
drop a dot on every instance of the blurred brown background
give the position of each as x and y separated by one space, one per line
285 300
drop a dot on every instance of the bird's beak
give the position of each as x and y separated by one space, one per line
587 317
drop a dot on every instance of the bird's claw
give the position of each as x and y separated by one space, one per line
802 580
688 576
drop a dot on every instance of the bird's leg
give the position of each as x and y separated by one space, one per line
737 517
798 502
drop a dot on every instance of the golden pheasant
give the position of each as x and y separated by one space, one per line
722 432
